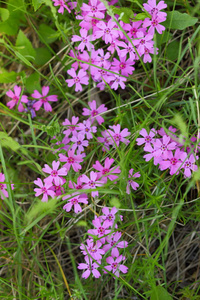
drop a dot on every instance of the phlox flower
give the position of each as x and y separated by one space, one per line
94 112
132 183
94 9
103 59
44 189
91 267
44 99
81 78
101 229
3 187
106 171
75 202
104 140
109 215
188 164
92 249
154 9
63 6
144 41
16 99
58 189
107 31
133 28
116 136
79 142
89 58
162 146
151 149
85 40
114 244
118 81
154 24
71 160
173 162
115 266
147 57
86 129
91 183
147 137
128 49
55 174
124 66
72 126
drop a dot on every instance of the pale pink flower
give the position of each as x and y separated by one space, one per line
92 183
188 164
114 244
44 189
3 187
93 249
90 268
85 40
71 160
106 171
55 174
132 183
86 129
63 6
147 137
107 31
79 142
94 112
75 202
117 136
81 78
94 9
115 266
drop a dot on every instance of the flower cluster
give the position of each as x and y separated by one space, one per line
168 151
3 187
127 42
103 240
38 100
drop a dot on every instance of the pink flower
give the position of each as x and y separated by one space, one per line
81 78
62 4
92 249
105 140
147 137
16 100
154 24
123 65
72 160
79 142
173 162
72 126
114 244
85 40
44 99
94 112
94 9
107 31
118 81
90 268
3 187
75 202
86 129
132 183
188 164
116 136
115 266
163 146
54 173
154 9
44 189
106 171
91 183
101 229
109 215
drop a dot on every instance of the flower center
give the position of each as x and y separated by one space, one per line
101 230
188 164
122 65
142 42
15 98
54 173
173 161
79 143
1 186
107 31
148 139
117 137
70 160
76 79
94 113
105 171
44 190
74 201
114 266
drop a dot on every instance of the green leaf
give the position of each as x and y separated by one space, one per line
43 55
115 202
177 20
125 13
163 38
4 14
37 4
141 16
33 83
48 34
159 293
51 129
8 142
172 50
7 77
25 47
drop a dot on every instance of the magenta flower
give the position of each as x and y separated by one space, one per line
115 266
154 24
58 189
132 183
63 6
151 150
105 140
72 126
114 244
118 81
101 229
92 249
173 162
144 41
91 183
147 137
16 99
86 129
94 112
163 146
188 164
109 215
85 40
44 99
75 202
81 78
154 9
3 187
44 189
72 160
117 136
90 268
133 28
54 173
107 171
123 65
79 142
128 49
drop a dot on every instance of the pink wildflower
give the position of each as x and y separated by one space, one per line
115 266
72 160
154 9
147 137
16 100
54 173
123 65
107 31
90 268
63 6
44 189
86 129
116 136
91 183
72 126
132 183
188 164
3 187
75 202
92 249
94 9
81 78
44 99
107 171
114 244
94 112
85 40
79 142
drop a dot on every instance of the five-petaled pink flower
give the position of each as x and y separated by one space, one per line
81 78
44 99
54 173
71 160
84 39
16 99
132 183
94 112
91 267
106 171
3 187
75 202
115 266
44 189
